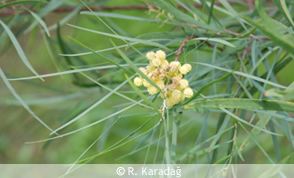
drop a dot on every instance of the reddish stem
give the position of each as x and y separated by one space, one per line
102 8
179 52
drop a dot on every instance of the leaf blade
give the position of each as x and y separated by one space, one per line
19 49
244 104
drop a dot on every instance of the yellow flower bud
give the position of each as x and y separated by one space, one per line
156 62
171 86
174 98
174 66
143 70
180 75
159 71
138 81
170 102
146 83
152 90
161 76
176 80
160 55
188 92
183 97
150 68
151 55
185 69
160 84
184 84
164 65
176 95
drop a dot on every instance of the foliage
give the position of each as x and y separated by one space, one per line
74 64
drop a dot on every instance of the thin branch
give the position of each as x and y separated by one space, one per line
250 35
9 11
179 52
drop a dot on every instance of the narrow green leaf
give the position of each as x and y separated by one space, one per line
146 42
275 140
98 51
176 124
73 71
109 89
142 95
176 12
8 85
286 11
261 123
87 126
232 11
41 22
167 156
273 29
53 4
204 151
180 15
128 136
287 95
215 40
20 2
275 105
100 55
257 143
211 11
204 87
66 18
19 49
89 108
198 146
122 16
133 66
243 74
104 134
118 146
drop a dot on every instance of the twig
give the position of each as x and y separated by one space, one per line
179 52
8 11
250 35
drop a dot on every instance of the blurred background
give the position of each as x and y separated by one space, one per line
60 98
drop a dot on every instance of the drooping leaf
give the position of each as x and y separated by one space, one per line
274 105
273 29
20 2
19 49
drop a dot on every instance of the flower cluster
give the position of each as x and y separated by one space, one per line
167 76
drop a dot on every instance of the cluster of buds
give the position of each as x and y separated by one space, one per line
167 76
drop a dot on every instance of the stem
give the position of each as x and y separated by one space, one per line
182 46
179 52
10 12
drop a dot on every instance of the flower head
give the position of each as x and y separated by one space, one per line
156 62
160 55
185 69
143 70
184 84
188 92
138 81
152 90
174 66
167 76
151 55
146 83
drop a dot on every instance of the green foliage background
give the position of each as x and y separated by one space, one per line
236 56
